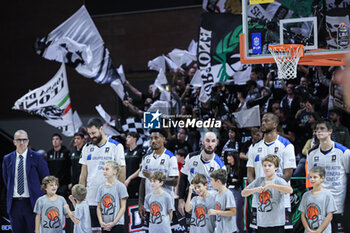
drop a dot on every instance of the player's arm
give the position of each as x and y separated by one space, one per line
289 162
122 174
287 174
37 223
228 212
142 210
83 175
170 212
182 193
188 206
251 174
171 181
282 188
133 176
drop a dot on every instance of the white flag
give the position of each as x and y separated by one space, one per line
159 82
118 87
104 115
197 80
203 97
161 106
77 42
77 121
248 118
241 72
121 73
52 102
172 65
157 63
180 57
192 48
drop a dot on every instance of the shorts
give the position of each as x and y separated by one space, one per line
93 214
278 229
116 229
337 223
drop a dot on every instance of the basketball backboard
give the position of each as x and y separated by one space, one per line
323 30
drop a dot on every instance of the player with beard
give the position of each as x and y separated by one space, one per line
273 144
204 163
159 159
93 157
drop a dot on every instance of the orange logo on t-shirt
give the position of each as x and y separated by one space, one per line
155 209
264 197
52 215
107 201
199 220
265 202
314 216
200 212
312 212
53 218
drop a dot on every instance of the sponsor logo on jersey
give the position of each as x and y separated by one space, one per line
334 158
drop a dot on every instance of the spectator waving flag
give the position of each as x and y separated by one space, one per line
52 102
77 42
134 125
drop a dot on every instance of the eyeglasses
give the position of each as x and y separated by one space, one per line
23 140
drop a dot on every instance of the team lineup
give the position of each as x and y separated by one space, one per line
204 199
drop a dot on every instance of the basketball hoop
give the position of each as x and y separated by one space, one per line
287 57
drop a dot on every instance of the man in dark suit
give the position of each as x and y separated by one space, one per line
23 171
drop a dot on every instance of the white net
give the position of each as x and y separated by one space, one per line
287 59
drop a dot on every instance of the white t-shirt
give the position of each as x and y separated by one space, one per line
166 163
336 163
194 165
281 147
95 157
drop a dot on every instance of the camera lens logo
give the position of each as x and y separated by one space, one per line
151 120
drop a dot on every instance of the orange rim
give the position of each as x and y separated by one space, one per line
288 48
329 59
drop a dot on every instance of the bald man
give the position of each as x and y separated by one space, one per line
204 163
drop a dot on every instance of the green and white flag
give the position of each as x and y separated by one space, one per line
51 102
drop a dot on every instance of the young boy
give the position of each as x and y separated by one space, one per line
159 204
201 222
318 205
270 190
225 203
50 208
111 200
81 215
